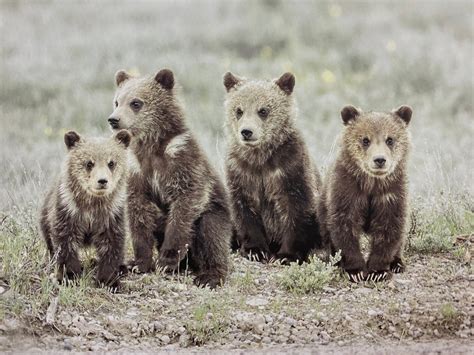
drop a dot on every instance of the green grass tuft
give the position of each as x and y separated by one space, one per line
310 276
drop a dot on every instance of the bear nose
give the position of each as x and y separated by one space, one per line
102 182
246 133
113 121
379 161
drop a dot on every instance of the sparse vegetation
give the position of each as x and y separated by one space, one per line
310 276
209 321
434 228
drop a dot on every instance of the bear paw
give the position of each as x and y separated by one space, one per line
140 266
169 259
397 266
112 286
206 279
356 275
378 276
255 254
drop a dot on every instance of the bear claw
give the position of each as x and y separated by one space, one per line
397 268
356 276
378 276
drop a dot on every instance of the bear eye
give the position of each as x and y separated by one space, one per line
263 113
89 165
239 112
366 142
111 165
389 141
136 104
116 103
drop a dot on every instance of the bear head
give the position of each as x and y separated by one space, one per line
97 166
259 113
376 141
144 105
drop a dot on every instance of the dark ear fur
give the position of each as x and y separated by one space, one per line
286 82
165 78
71 138
121 76
230 81
123 137
349 113
404 112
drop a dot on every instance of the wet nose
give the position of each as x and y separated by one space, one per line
246 133
379 161
102 182
113 121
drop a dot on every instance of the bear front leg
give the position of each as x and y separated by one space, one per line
250 231
254 244
386 229
343 233
110 250
69 264
383 257
210 250
184 211
397 265
145 218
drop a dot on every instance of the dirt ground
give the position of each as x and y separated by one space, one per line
428 309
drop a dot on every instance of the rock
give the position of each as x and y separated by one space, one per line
256 301
324 335
165 339
67 345
291 322
374 312
158 327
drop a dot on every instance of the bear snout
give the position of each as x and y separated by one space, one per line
102 183
114 122
246 134
379 161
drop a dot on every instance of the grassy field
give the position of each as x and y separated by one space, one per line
56 73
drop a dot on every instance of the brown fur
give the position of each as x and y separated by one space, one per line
361 197
78 210
272 180
175 198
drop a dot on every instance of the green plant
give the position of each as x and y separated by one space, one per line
310 276
209 320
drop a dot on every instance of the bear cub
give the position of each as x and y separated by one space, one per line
272 180
365 191
85 206
176 200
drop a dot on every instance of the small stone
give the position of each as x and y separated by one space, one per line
374 313
256 301
324 335
67 345
165 339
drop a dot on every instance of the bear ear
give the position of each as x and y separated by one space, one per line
349 113
404 112
165 78
71 139
230 81
123 137
286 82
121 76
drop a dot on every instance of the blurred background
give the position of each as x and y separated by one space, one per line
58 60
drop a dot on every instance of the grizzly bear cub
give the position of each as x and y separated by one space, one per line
366 191
175 199
272 180
86 206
